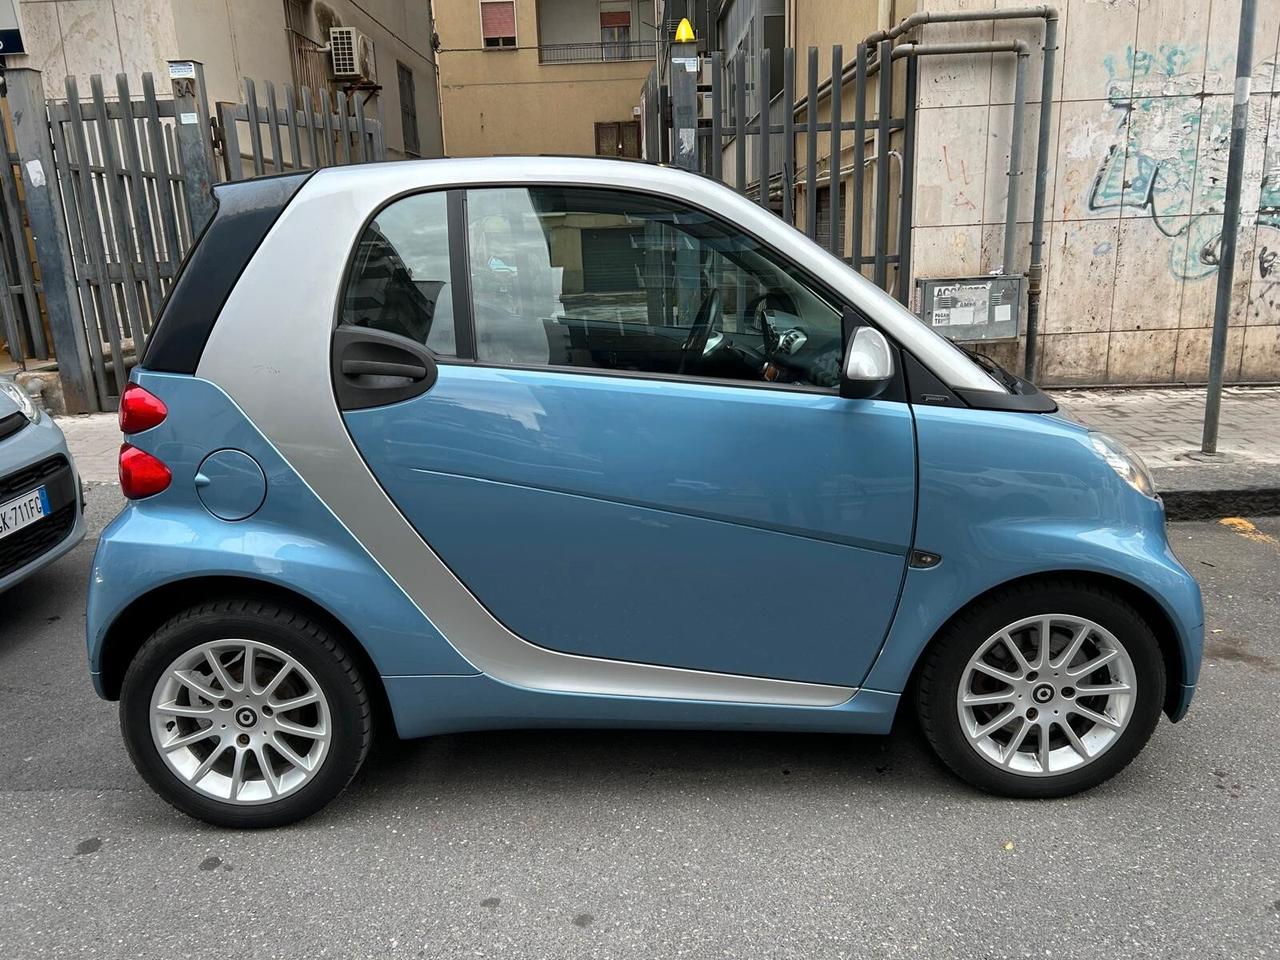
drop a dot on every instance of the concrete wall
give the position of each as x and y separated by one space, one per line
504 101
84 37
1140 133
234 39
578 21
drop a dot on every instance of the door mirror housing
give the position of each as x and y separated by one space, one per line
868 365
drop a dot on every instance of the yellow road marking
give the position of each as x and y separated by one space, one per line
1247 530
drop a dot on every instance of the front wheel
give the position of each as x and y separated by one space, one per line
245 714
1042 690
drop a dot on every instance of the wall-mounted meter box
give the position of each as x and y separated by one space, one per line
972 308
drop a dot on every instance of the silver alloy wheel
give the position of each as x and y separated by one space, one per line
240 721
1046 694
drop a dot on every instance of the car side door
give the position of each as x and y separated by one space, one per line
632 445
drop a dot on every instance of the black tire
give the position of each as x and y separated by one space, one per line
944 664
311 645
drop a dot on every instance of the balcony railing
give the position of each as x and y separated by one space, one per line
597 52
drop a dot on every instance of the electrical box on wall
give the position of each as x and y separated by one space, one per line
972 308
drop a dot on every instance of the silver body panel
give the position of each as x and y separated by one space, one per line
285 304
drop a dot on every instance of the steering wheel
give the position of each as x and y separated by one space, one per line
709 313
757 314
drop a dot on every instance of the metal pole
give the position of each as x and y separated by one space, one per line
740 123
762 154
833 160
1015 163
881 241
788 135
49 233
905 211
1036 272
1230 224
859 155
717 118
811 151
684 104
192 131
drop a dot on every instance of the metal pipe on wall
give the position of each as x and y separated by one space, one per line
1015 162
913 51
1035 272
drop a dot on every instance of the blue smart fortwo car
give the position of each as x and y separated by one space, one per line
519 442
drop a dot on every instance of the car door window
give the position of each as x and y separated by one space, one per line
610 280
400 281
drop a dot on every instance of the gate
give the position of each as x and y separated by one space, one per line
118 185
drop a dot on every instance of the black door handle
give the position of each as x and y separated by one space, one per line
383 368
372 368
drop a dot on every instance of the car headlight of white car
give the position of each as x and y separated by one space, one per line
18 395
1124 462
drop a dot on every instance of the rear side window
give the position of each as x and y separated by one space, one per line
245 212
400 281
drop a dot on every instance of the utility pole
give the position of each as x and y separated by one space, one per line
1230 224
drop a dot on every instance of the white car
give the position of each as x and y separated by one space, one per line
41 512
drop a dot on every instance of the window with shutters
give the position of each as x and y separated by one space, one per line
620 139
498 23
615 34
823 227
408 111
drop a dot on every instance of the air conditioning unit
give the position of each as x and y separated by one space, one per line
352 55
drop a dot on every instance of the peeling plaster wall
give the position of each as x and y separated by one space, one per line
84 37
1136 186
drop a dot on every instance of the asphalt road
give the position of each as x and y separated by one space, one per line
607 844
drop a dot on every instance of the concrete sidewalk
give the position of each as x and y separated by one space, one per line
1163 425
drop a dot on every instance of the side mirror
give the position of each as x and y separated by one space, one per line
868 366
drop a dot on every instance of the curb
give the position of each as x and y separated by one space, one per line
1212 504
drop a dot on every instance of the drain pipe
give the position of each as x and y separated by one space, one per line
1015 140
1035 273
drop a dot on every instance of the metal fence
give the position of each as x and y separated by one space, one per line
21 322
760 126
597 52
116 186
340 132
127 224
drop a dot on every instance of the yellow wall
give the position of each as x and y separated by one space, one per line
505 101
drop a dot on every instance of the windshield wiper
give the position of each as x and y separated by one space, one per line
986 363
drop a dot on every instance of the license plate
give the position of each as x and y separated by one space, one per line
27 509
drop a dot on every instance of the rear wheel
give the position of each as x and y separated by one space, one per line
245 714
1042 690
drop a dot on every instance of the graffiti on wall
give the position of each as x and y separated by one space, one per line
1168 157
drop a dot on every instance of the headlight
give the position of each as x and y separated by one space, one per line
1124 462
23 399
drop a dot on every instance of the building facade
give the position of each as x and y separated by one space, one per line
1139 133
1141 121
543 76
282 41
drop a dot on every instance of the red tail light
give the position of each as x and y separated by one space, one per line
141 474
140 409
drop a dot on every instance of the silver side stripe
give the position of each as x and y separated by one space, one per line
270 353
